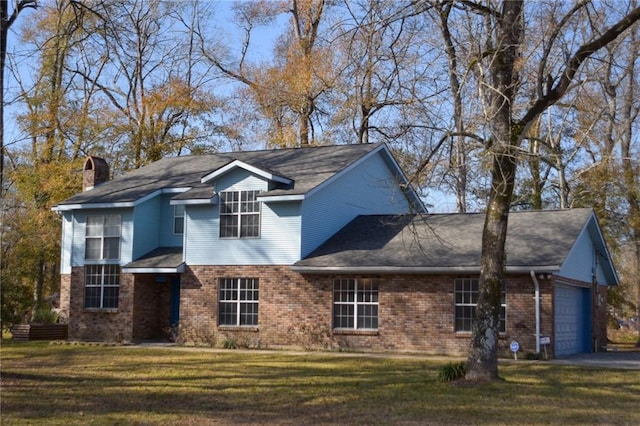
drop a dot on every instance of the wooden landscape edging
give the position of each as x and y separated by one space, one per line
40 332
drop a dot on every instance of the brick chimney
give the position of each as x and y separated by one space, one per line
95 171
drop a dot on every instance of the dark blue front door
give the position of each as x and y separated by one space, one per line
175 302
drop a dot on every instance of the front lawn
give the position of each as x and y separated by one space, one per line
67 384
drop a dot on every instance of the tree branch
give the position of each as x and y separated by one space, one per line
582 54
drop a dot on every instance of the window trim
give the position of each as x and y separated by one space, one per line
103 272
475 282
238 301
102 237
357 304
239 214
177 216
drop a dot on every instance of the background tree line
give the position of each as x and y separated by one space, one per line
133 81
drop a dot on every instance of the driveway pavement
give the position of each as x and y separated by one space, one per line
613 359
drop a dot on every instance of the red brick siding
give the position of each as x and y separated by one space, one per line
65 296
152 304
416 312
113 325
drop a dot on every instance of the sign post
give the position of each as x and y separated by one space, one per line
514 348
544 341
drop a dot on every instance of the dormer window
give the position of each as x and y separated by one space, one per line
178 219
239 214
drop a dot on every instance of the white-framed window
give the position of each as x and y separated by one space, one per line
178 219
466 299
101 286
239 214
238 302
355 303
102 237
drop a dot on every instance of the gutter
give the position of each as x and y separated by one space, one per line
537 299
411 269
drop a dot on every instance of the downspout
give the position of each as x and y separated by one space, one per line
537 299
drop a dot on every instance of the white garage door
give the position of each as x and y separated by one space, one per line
571 312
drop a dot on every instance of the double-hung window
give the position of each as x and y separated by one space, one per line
239 214
355 304
102 240
102 286
238 302
178 219
102 244
466 299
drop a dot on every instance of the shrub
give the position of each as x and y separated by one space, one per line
533 356
44 315
229 344
452 371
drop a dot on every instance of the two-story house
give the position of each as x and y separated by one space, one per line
312 247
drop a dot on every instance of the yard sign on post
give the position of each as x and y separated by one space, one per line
544 341
514 348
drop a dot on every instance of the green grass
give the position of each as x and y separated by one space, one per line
76 384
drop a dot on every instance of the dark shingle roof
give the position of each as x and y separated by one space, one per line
307 167
447 241
160 258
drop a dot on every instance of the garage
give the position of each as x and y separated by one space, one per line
572 325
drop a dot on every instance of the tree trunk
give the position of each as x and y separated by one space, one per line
4 32
482 363
459 158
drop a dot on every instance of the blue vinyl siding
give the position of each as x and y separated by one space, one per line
369 188
79 221
581 261
201 227
240 180
278 244
279 241
146 227
167 237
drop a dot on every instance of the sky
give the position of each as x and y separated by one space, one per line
262 44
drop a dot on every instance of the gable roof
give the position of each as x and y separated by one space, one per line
297 170
441 243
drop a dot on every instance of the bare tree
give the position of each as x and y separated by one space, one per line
509 116
6 21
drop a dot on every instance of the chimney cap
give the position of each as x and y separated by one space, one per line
95 172
92 163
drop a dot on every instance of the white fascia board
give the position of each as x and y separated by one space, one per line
195 201
414 270
68 207
177 270
175 190
117 205
248 167
277 198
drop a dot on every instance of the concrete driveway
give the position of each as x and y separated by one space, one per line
614 359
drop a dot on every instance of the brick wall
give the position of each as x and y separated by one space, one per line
65 295
152 304
112 325
416 312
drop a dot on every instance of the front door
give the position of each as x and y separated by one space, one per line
174 317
